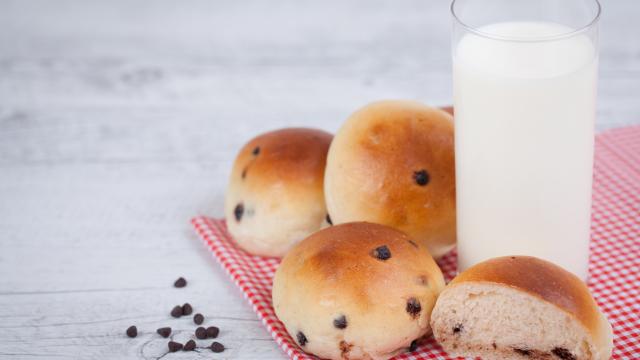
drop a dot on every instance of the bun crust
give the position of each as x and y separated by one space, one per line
276 195
384 295
392 163
294 157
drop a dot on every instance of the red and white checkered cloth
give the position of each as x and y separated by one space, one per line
614 267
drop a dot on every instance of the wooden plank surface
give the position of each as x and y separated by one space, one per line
119 121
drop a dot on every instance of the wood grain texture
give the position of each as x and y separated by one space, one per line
119 121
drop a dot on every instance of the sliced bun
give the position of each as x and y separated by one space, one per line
520 307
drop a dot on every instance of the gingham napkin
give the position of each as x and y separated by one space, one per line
614 266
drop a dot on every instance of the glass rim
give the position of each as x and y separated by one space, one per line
487 35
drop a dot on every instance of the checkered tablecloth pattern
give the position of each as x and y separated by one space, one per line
614 266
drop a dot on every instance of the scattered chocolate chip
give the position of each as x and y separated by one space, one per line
494 346
421 177
212 332
198 318
174 346
256 150
329 220
340 322
201 333
238 212
523 352
176 312
413 307
187 309
216 347
413 346
164 332
180 283
457 328
563 353
381 253
413 243
189 346
302 339
513 258
132 331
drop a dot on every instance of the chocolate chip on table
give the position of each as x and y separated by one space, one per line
340 322
164 332
302 339
189 346
421 177
180 283
132 331
201 333
174 346
198 318
256 150
216 347
563 353
176 312
381 253
413 307
187 309
328 218
413 346
457 328
238 212
212 332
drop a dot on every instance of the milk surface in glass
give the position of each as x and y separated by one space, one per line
524 144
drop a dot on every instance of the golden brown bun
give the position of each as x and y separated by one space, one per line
392 163
337 272
275 195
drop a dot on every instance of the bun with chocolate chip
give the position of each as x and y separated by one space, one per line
520 307
275 196
392 163
357 291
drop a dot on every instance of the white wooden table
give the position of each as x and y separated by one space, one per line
119 121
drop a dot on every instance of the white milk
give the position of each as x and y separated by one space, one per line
524 127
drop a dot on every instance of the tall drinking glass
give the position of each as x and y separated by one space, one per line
524 80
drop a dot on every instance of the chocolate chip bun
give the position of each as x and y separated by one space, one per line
275 196
392 163
520 307
357 291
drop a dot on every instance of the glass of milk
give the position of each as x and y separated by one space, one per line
524 81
